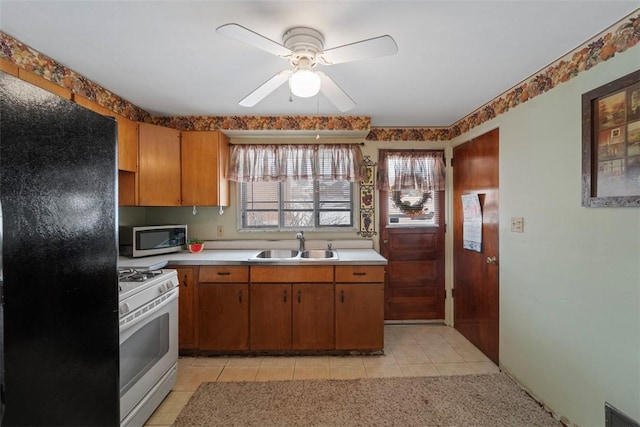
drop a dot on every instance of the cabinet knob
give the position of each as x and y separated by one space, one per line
299 297
240 296
285 295
184 281
342 296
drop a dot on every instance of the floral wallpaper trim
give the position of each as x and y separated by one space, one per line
620 37
314 123
33 61
408 134
599 49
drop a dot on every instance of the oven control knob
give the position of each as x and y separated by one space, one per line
124 308
162 288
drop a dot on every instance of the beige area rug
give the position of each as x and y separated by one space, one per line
474 400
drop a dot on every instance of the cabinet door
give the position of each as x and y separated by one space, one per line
223 317
313 327
359 316
270 317
158 165
127 132
204 161
186 326
127 144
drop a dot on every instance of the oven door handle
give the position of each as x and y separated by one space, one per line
173 296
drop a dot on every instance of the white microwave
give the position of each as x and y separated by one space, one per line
139 241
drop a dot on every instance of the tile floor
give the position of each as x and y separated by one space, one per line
410 350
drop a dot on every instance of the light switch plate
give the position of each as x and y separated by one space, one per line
517 224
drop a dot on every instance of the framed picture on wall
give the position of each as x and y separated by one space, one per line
611 144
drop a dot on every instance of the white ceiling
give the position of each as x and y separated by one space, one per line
453 56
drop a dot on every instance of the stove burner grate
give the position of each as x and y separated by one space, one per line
133 275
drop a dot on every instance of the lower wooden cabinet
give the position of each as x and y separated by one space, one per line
283 308
359 316
359 305
223 308
270 317
313 308
291 317
186 323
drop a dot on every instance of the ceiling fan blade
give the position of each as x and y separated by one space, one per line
370 48
245 35
333 92
265 89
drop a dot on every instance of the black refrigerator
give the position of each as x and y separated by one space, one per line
58 186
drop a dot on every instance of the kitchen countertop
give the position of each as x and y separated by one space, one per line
243 257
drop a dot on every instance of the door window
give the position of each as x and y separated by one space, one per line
411 182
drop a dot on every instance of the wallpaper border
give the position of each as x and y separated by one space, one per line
618 38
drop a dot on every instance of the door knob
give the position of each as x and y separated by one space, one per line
492 260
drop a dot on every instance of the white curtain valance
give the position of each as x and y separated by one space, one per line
411 170
282 162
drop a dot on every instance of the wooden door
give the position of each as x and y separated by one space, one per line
313 327
186 325
223 317
359 316
476 274
415 273
414 285
270 317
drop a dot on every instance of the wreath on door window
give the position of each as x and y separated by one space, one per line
407 208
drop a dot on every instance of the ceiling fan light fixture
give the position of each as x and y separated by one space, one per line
304 83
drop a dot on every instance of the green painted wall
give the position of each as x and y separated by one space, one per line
570 284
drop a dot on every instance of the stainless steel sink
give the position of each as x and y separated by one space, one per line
277 254
318 254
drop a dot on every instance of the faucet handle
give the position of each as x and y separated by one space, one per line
328 246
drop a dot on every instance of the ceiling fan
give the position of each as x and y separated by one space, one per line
304 48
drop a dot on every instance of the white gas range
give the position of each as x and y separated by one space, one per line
148 308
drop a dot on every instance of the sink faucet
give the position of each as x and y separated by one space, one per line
300 236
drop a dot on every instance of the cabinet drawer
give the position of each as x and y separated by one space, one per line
291 274
359 273
224 274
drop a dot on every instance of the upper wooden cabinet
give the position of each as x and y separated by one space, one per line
127 134
205 156
158 166
9 67
127 144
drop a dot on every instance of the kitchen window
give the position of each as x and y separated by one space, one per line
296 205
296 186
